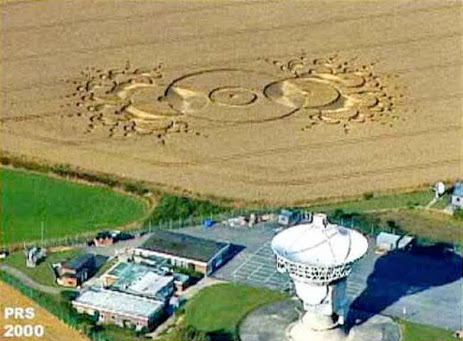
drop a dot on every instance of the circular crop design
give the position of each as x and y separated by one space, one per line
124 102
225 95
303 93
129 101
333 91
233 96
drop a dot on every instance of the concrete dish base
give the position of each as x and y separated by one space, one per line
282 321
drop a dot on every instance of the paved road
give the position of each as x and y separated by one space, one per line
29 281
422 289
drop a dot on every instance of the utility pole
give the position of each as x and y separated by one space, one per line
42 228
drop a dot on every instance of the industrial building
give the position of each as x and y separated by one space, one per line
198 254
122 309
139 280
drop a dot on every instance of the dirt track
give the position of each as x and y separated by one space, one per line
246 128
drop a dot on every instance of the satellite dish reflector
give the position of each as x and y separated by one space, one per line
439 188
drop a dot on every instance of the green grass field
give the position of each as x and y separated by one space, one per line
220 308
65 208
442 202
379 202
420 332
406 210
433 226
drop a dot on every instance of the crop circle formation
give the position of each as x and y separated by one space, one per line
225 95
331 91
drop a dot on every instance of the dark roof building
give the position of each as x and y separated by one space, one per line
75 271
200 254
79 262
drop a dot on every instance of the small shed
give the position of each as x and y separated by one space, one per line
104 238
34 255
75 271
181 281
289 217
389 241
457 195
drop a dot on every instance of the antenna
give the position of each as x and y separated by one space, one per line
42 227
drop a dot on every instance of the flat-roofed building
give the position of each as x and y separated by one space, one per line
388 241
122 309
139 280
198 254
181 282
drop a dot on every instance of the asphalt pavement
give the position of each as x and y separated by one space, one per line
419 288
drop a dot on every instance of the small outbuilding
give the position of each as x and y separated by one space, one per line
34 255
181 282
388 241
75 271
104 238
457 195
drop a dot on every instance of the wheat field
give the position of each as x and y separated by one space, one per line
54 329
281 102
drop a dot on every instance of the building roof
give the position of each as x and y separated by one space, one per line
104 235
182 278
119 303
458 189
78 262
139 279
405 241
387 238
150 284
184 246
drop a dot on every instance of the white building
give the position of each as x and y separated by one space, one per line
119 308
457 195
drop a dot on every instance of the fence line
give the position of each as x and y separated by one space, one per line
366 226
148 227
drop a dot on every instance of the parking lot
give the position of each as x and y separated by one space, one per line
418 288
259 270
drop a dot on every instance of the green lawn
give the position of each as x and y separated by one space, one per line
419 332
43 273
65 208
380 202
431 225
442 202
401 208
220 308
